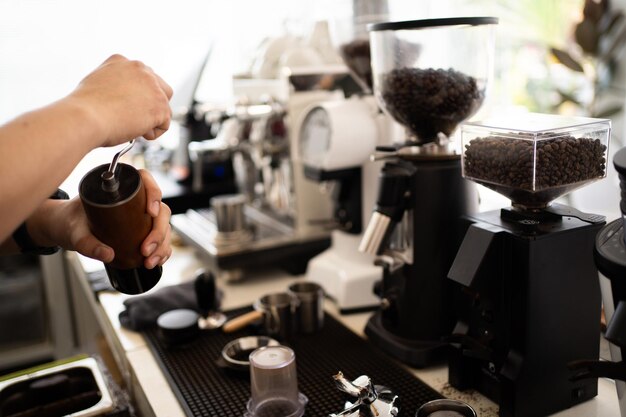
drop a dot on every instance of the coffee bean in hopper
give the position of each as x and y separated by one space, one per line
430 101
560 161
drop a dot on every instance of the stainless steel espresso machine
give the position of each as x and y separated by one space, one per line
429 75
278 217
529 299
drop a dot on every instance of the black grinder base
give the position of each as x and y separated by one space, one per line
416 353
531 305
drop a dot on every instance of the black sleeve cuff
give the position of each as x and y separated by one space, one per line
25 242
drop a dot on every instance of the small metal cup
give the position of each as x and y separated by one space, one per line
310 309
278 314
229 212
445 408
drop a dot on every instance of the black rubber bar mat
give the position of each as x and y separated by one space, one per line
205 389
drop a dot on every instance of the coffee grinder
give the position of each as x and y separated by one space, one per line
429 75
336 141
528 295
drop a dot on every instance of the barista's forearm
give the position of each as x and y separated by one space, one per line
43 227
44 146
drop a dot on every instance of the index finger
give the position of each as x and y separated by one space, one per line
165 86
153 193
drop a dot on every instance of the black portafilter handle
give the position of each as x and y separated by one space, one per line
206 293
394 182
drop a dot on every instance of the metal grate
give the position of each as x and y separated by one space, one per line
205 389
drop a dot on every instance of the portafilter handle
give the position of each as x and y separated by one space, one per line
393 189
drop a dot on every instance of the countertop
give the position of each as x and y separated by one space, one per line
148 384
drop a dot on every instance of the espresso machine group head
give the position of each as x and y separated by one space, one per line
428 75
529 300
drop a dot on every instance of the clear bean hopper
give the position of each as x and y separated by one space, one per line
430 75
532 159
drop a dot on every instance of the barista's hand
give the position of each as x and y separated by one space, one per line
64 223
156 247
125 99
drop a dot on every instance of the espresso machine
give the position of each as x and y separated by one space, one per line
259 225
278 217
527 291
196 169
610 256
428 75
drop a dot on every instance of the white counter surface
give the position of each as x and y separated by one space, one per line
149 386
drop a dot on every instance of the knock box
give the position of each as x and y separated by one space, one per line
534 158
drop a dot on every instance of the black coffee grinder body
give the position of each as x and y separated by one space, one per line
417 311
530 304
428 87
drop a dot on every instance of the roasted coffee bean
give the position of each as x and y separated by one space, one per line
356 55
559 162
430 101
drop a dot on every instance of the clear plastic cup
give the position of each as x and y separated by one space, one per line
274 384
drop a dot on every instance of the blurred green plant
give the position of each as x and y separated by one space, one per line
598 40
524 75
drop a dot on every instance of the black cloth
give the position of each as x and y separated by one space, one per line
142 311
